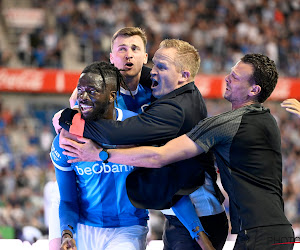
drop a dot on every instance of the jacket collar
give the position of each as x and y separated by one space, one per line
188 87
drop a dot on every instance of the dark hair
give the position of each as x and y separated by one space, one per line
106 70
264 74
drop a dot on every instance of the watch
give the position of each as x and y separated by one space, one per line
103 155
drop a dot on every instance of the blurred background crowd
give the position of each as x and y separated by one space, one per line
76 33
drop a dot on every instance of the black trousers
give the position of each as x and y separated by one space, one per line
177 237
276 237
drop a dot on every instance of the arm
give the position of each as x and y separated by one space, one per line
178 149
66 179
292 106
161 122
185 212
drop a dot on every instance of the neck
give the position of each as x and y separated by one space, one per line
111 113
133 81
239 105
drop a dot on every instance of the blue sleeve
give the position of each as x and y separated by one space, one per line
59 160
66 179
186 213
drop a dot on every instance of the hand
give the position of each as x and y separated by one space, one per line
55 121
68 243
73 98
79 147
204 242
292 106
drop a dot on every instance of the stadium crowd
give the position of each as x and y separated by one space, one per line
222 30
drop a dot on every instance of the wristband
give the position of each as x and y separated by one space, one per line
66 232
103 155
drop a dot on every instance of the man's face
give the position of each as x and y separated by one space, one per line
238 86
164 74
93 99
128 53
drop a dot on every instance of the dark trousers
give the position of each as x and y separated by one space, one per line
177 237
270 237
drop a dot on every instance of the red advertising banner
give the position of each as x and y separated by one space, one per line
64 82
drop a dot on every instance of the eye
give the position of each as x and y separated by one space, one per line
93 91
160 66
135 48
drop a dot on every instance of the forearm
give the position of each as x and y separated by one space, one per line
149 157
178 149
186 213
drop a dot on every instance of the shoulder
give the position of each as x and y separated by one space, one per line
123 114
59 160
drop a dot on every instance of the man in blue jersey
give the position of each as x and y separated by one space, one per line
93 199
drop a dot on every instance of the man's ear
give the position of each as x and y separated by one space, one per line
185 76
111 58
146 58
113 96
255 90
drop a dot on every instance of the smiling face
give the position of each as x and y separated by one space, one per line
129 54
239 91
165 74
93 97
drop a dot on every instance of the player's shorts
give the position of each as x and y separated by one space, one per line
54 224
120 238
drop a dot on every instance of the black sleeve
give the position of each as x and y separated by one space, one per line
159 123
145 79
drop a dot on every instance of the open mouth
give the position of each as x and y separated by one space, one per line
85 108
128 65
154 83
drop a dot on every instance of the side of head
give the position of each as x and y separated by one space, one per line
97 88
128 32
264 74
187 56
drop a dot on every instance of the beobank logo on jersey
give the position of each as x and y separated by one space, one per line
103 168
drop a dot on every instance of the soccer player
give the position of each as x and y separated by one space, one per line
93 199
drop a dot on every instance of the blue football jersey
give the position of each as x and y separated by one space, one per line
142 99
101 191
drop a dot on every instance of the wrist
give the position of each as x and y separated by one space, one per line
66 234
104 155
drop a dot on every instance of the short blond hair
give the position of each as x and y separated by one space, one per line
187 56
130 31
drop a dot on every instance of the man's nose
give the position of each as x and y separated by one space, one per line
129 54
153 71
83 95
128 57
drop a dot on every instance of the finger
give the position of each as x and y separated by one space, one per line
74 160
71 143
68 153
293 111
69 148
83 139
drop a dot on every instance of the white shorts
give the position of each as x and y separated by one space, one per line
54 224
121 238
94 238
